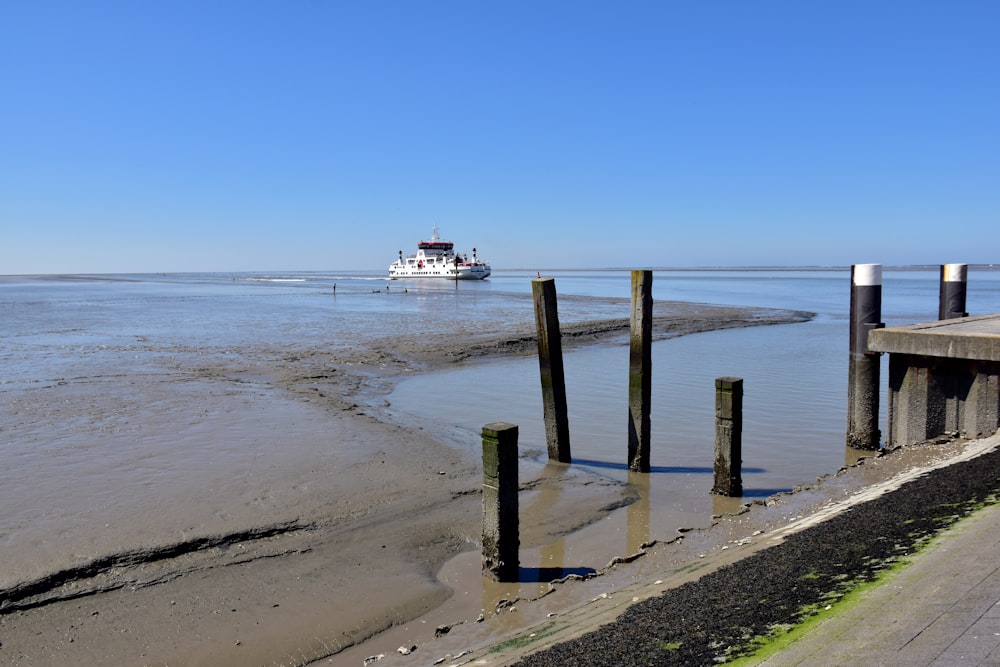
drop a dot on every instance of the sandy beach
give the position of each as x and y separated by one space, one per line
284 561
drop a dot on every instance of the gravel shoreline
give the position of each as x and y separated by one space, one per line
718 616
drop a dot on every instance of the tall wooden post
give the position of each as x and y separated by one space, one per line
728 436
500 507
864 369
954 279
550 365
640 372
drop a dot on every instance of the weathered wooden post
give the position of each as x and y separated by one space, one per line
728 436
500 520
640 372
954 278
863 372
550 364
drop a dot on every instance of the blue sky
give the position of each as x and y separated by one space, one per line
327 135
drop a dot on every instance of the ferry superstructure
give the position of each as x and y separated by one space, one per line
438 259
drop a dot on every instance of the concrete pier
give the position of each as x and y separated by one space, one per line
864 369
550 366
640 371
728 436
944 377
501 539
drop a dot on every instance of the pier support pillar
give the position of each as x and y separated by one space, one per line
954 280
640 372
929 396
864 370
916 403
728 436
982 410
500 507
550 365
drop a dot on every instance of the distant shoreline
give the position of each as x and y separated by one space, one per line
84 275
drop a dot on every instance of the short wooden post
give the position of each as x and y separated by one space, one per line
640 371
728 436
500 519
954 280
864 369
550 364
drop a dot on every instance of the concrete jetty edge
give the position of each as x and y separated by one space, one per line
739 596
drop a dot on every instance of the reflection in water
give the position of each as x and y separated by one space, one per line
498 596
553 560
532 583
638 513
852 456
726 504
553 557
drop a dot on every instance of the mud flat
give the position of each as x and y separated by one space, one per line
259 506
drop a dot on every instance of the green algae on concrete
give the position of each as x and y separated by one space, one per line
842 599
733 611
525 640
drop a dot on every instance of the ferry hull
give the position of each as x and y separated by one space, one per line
437 259
463 273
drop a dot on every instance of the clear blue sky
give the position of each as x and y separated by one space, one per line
321 135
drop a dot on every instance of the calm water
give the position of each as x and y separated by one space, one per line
795 376
70 346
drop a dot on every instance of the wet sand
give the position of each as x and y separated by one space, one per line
302 550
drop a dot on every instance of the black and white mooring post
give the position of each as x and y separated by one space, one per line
954 279
864 369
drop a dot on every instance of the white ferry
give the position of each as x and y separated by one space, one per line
437 259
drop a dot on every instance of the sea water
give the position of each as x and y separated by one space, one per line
795 376
80 334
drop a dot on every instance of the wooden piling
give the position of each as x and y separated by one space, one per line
728 437
954 280
640 372
501 539
550 365
864 368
